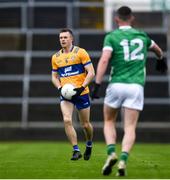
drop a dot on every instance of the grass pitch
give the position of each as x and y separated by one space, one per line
51 160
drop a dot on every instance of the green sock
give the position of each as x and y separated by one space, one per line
111 149
124 156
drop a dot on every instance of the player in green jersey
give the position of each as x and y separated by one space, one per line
126 48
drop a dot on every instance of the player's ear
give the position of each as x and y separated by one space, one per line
116 19
132 18
72 38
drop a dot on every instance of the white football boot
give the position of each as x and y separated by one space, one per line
121 168
110 162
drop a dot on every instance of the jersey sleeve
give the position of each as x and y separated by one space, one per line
85 58
107 43
54 65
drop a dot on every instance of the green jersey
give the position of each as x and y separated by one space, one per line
129 50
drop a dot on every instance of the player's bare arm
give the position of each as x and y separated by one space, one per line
161 64
157 50
101 69
102 65
90 75
55 80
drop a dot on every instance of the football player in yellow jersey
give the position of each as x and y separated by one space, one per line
72 64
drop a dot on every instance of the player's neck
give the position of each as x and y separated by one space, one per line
124 24
127 23
68 49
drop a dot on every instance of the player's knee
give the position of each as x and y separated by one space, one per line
67 121
86 125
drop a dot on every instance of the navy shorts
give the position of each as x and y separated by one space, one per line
81 102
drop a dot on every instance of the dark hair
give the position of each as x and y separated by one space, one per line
66 30
124 13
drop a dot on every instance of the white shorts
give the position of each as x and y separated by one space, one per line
124 95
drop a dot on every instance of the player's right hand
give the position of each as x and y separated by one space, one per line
161 65
95 91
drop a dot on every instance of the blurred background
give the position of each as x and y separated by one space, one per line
29 104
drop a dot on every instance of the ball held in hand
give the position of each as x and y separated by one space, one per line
67 91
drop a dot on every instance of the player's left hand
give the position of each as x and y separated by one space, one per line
95 91
161 65
78 91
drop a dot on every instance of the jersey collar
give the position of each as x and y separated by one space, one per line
71 49
125 27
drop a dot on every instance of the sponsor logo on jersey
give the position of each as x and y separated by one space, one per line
68 69
69 72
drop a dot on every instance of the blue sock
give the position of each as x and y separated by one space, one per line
76 148
89 143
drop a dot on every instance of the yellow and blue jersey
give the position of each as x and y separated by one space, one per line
70 66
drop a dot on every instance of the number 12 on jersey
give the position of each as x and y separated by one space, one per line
136 53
